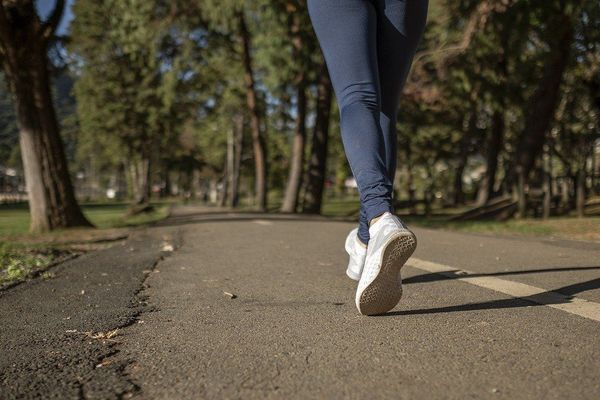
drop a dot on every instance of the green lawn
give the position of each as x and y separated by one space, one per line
14 219
22 254
18 262
568 227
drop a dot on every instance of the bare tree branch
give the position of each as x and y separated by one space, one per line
49 27
476 22
445 52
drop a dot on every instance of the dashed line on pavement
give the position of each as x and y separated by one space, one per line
572 305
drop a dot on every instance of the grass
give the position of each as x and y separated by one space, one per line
14 219
23 255
343 207
567 227
562 227
115 215
19 262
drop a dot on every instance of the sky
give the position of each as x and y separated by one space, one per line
45 7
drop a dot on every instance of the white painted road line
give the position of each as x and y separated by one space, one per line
572 305
262 222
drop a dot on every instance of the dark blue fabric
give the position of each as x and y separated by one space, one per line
369 46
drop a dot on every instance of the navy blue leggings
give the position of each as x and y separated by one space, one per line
369 46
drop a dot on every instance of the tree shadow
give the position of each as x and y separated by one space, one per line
449 275
561 295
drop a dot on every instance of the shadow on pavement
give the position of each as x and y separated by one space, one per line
433 277
527 301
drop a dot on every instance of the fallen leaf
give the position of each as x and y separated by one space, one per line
167 247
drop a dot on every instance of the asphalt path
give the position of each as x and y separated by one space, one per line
242 305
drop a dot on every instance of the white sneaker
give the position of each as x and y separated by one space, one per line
357 253
380 285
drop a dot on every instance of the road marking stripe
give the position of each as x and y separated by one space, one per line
572 305
262 222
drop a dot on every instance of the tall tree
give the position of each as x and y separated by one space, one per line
234 153
297 26
129 82
542 105
237 22
317 163
258 136
24 41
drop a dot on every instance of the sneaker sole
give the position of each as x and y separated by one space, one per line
385 291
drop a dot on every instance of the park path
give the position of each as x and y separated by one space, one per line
482 317
292 331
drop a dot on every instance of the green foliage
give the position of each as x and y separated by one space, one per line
64 102
133 64
9 138
497 68
14 219
164 80
16 263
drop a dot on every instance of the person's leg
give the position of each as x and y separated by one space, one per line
363 225
400 26
346 30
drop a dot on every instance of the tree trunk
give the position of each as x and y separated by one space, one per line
238 136
213 194
317 166
495 139
223 193
594 87
493 147
540 109
594 168
565 192
482 196
23 47
230 163
121 181
463 151
290 200
521 196
459 195
547 176
140 181
580 191
428 192
165 190
258 140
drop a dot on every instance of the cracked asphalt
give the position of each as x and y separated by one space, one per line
291 329
53 334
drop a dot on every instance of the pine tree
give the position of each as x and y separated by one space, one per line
24 41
